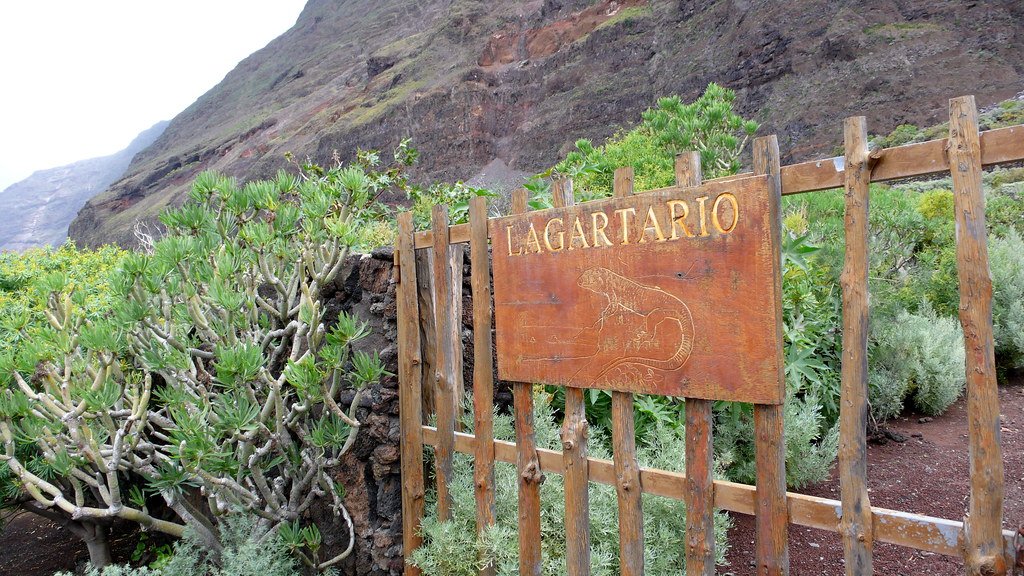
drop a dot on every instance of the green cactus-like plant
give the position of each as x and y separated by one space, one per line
708 125
216 375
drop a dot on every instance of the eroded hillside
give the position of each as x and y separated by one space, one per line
510 85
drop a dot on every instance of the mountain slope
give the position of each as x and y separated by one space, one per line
510 85
38 210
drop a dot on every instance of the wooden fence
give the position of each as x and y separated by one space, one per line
429 280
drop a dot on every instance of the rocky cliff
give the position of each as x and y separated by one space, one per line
38 210
486 88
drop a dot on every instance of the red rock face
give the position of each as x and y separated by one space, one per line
514 45
518 82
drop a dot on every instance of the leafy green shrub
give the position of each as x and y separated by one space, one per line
1007 113
23 294
1003 176
811 441
115 570
375 234
248 548
937 203
924 350
451 548
1004 208
455 196
936 278
886 392
902 134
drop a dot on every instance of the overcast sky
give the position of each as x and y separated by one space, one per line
80 79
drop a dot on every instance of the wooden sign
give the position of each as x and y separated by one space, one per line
673 292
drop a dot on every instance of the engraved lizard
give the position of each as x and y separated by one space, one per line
654 305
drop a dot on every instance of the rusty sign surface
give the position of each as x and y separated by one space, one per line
673 292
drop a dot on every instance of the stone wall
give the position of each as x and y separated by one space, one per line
371 470
370 473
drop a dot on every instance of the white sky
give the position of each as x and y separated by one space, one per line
81 78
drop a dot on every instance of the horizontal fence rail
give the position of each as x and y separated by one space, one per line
905 529
431 374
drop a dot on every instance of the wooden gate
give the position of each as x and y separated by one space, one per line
431 356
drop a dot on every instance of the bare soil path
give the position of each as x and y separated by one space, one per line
927 474
34 546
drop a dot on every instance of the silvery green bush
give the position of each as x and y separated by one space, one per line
920 357
452 548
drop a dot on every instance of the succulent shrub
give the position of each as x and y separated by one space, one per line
216 375
708 125
72 415
923 351
23 297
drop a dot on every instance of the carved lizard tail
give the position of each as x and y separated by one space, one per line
678 358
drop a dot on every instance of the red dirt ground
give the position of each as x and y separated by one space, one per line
926 474
34 546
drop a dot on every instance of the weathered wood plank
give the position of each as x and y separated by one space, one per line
853 404
622 183
409 385
627 486
687 169
568 282
525 457
449 345
700 500
574 449
1002 145
457 234
914 531
425 298
577 495
520 201
562 193
627 469
771 521
700 522
483 370
456 259
984 551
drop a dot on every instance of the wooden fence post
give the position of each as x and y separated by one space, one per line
700 496
527 461
483 369
772 518
855 524
983 526
449 346
574 451
627 470
425 294
409 386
